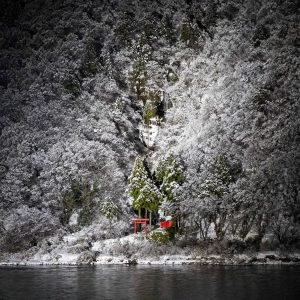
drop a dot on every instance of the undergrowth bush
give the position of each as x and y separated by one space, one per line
81 195
159 237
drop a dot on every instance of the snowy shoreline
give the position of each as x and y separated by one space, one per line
234 260
75 250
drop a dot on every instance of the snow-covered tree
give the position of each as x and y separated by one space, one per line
138 179
149 198
169 175
110 210
142 189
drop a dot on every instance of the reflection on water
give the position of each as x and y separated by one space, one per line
150 282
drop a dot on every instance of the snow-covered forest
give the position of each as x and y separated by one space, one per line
78 78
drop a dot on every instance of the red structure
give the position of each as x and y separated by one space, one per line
166 224
140 221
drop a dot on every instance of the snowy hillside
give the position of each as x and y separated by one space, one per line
77 80
236 107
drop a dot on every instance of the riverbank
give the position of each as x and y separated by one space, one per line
270 258
135 249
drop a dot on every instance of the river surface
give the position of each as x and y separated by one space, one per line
150 282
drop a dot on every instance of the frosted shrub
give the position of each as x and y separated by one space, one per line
33 227
159 237
284 230
86 257
125 248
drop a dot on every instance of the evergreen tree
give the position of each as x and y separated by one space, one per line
137 181
169 175
149 197
143 191
110 210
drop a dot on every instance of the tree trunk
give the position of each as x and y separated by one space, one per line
150 220
110 228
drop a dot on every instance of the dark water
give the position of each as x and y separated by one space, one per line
150 282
